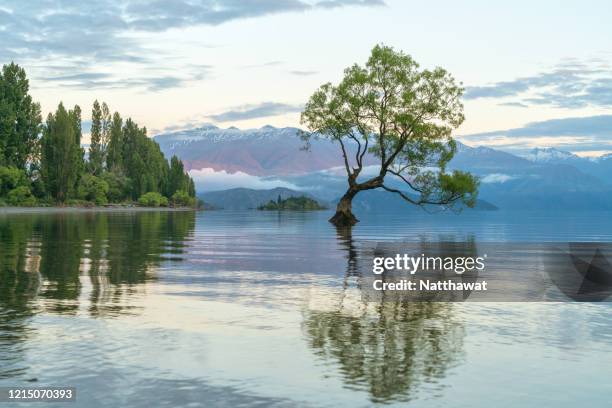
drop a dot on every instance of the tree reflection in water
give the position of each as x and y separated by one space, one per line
17 288
387 348
47 262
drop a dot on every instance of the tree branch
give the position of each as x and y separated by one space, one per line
401 194
365 149
358 152
346 163
444 202
405 180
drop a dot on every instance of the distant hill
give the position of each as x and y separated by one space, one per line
248 198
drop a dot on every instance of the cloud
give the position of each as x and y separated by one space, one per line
207 179
303 73
597 126
262 110
100 80
86 76
366 171
183 125
343 3
574 133
496 178
165 82
155 15
65 30
570 85
265 64
105 31
514 104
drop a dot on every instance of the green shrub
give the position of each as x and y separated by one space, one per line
94 189
38 188
182 199
118 186
152 199
11 178
21 197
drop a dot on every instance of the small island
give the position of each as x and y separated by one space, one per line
302 203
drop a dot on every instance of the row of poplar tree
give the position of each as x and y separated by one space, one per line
44 163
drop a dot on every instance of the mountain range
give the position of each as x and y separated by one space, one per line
600 167
545 178
261 152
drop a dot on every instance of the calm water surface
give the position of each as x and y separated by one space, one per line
263 309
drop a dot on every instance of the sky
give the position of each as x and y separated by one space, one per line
536 73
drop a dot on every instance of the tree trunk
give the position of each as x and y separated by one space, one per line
344 215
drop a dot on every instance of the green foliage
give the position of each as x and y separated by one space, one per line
15 187
137 166
118 185
178 179
100 134
460 185
38 187
153 199
191 190
401 114
94 189
20 119
302 203
21 196
114 157
62 155
10 178
181 198
144 163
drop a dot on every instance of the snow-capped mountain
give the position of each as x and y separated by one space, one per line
600 167
213 134
602 158
549 155
262 152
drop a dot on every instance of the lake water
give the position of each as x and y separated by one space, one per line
263 309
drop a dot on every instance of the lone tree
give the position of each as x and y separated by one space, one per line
403 117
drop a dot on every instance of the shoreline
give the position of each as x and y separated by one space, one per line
71 210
